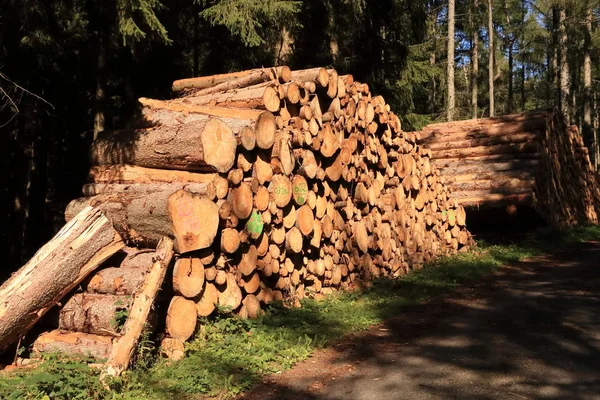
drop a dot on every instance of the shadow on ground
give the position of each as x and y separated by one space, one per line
530 331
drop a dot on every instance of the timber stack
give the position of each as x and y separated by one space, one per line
274 185
530 159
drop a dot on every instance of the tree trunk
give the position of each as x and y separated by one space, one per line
474 59
564 66
451 94
100 100
59 266
587 79
491 58
203 145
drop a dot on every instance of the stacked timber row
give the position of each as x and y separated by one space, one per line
531 158
90 320
275 185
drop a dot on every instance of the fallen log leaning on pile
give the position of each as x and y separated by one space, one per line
58 267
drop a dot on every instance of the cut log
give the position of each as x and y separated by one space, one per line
143 219
68 258
74 343
173 349
203 82
188 277
207 300
230 240
100 314
263 96
299 190
252 306
181 318
305 220
94 189
121 281
192 146
195 220
134 174
125 345
293 240
177 112
230 295
241 199
281 190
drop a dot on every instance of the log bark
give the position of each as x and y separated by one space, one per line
132 174
263 96
123 349
201 145
143 219
99 314
74 343
94 189
59 266
119 281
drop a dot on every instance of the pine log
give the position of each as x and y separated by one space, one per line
230 240
195 220
242 200
485 141
133 174
188 277
492 184
181 318
173 349
178 112
207 300
74 343
203 82
94 189
230 295
486 150
125 345
261 96
195 146
119 281
504 125
251 306
68 258
100 314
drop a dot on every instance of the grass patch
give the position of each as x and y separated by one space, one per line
230 355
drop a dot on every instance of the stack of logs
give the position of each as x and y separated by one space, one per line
531 158
90 320
275 185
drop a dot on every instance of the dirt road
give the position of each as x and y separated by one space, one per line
530 331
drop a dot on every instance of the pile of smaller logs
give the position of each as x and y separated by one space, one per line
531 158
89 320
275 185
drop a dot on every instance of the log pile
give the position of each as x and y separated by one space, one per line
275 185
91 320
531 158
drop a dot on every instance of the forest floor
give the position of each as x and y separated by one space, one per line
529 330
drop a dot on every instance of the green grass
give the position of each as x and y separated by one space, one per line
230 355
